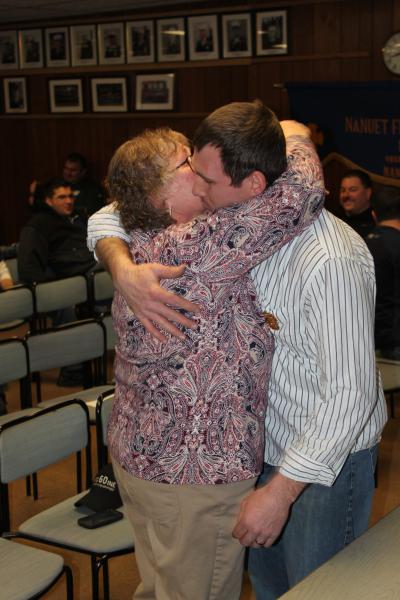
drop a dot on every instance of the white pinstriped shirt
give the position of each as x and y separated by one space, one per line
325 399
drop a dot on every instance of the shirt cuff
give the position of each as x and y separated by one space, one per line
302 468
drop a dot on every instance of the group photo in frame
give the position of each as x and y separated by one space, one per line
15 98
66 95
171 35
83 45
203 37
111 43
271 28
109 94
236 35
155 91
139 41
30 43
8 50
57 47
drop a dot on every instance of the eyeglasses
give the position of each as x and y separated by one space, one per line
187 161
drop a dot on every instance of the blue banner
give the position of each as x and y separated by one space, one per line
358 120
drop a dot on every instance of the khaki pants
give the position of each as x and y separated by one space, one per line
183 538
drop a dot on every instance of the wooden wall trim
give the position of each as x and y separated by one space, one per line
145 116
227 62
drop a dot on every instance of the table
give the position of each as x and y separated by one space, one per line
367 569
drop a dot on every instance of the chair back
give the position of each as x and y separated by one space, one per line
103 411
61 293
14 365
102 285
43 438
77 342
12 266
17 306
66 345
37 440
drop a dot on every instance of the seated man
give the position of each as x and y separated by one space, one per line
51 246
355 198
384 245
89 195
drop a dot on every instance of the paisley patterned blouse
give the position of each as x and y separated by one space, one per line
192 411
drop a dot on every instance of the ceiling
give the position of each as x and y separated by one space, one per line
14 11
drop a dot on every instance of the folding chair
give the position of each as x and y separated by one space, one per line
14 365
17 306
27 573
78 342
52 296
102 286
41 440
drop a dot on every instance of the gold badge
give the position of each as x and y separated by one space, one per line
271 320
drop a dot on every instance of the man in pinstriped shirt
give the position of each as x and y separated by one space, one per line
326 407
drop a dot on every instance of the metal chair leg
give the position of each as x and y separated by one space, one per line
95 577
106 580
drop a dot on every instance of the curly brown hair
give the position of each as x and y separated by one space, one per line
138 171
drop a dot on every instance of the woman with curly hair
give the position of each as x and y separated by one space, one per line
186 433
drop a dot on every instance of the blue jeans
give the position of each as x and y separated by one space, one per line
322 521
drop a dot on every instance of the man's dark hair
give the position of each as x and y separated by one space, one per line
386 203
76 157
52 185
249 138
362 176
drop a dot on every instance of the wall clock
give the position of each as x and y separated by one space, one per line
391 53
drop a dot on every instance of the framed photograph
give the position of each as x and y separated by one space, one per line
83 45
203 37
111 43
109 94
271 28
66 95
236 35
57 47
30 48
15 100
155 91
171 39
139 41
8 50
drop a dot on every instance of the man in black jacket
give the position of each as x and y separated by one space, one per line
51 245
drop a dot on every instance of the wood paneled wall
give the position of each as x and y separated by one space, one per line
328 41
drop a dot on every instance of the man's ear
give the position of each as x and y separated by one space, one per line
258 182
